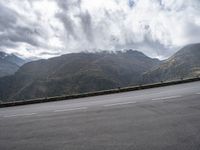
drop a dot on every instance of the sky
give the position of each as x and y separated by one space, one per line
48 28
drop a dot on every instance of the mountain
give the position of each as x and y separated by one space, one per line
184 63
87 72
9 64
76 73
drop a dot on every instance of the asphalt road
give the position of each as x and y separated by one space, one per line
166 118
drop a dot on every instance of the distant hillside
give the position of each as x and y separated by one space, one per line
9 64
87 72
184 63
76 73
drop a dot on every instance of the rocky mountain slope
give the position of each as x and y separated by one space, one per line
184 63
9 64
76 73
87 72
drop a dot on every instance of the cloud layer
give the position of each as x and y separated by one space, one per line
46 28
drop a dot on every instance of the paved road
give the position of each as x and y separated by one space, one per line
166 118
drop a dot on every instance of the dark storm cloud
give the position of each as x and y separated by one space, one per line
67 23
67 4
21 34
16 29
63 16
131 3
86 23
7 18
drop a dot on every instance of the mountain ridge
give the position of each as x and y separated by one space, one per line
9 63
76 73
184 63
88 72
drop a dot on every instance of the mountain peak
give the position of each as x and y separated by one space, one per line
3 55
184 63
9 63
131 51
78 73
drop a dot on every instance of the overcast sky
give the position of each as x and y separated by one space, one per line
47 28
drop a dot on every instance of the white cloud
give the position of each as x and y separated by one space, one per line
50 27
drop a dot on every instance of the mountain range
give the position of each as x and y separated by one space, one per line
87 72
9 63
183 64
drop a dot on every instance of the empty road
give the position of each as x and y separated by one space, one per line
166 118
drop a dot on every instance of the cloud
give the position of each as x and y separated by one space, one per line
68 24
131 3
156 27
87 25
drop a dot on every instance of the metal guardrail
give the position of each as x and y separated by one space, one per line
111 91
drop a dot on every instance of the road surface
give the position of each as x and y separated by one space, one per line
165 118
